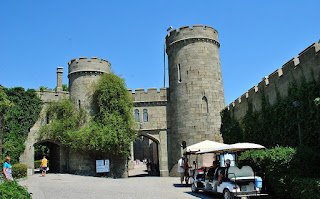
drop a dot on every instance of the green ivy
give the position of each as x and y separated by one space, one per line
18 120
278 124
110 129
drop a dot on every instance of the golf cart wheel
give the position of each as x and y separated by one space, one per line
227 194
194 189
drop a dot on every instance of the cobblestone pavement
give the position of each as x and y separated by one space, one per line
138 185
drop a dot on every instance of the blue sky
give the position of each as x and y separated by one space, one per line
256 37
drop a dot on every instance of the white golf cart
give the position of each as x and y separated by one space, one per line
237 182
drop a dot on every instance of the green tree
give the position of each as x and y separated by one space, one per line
111 128
65 87
114 112
19 119
5 104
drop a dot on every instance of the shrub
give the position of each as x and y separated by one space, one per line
37 164
13 190
275 163
19 171
306 162
304 188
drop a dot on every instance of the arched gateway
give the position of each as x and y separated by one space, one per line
152 122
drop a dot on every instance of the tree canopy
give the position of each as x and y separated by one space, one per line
18 118
109 129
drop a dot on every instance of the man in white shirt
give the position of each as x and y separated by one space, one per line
181 168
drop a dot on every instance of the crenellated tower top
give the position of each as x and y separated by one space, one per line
196 33
93 65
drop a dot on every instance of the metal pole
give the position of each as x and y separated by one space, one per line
164 63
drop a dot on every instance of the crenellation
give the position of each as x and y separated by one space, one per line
266 80
197 25
209 27
279 80
309 52
280 72
186 33
151 95
291 64
183 27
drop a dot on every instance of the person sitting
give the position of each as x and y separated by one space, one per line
211 170
223 172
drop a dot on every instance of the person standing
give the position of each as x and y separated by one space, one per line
7 169
186 170
181 168
44 166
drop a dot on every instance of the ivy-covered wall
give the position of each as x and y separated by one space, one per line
19 119
278 124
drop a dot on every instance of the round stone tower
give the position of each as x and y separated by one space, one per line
82 73
196 94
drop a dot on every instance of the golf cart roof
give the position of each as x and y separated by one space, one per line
204 145
232 148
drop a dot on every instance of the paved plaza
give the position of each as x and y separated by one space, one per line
138 185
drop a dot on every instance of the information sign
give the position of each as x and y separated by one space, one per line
102 166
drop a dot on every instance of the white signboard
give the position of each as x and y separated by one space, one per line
102 166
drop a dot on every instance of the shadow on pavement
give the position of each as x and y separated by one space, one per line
183 185
204 195
139 175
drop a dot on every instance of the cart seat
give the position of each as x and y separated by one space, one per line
245 172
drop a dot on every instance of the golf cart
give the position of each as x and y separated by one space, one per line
190 153
236 182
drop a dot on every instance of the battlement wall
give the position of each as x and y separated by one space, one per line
93 65
151 95
51 96
307 61
197 32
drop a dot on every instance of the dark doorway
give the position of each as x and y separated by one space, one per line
52 153
146 154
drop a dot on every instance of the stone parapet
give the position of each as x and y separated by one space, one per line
85 65
151 95
307 61
196 33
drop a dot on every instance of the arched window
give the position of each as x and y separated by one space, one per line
145 115
136 113
204 105
179 73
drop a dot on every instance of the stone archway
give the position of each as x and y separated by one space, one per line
160 138
57 156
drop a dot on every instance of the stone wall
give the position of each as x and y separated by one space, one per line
84 163
154 102
307 61
47 96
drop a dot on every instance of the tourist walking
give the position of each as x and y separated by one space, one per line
181 168
44 165
7 169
